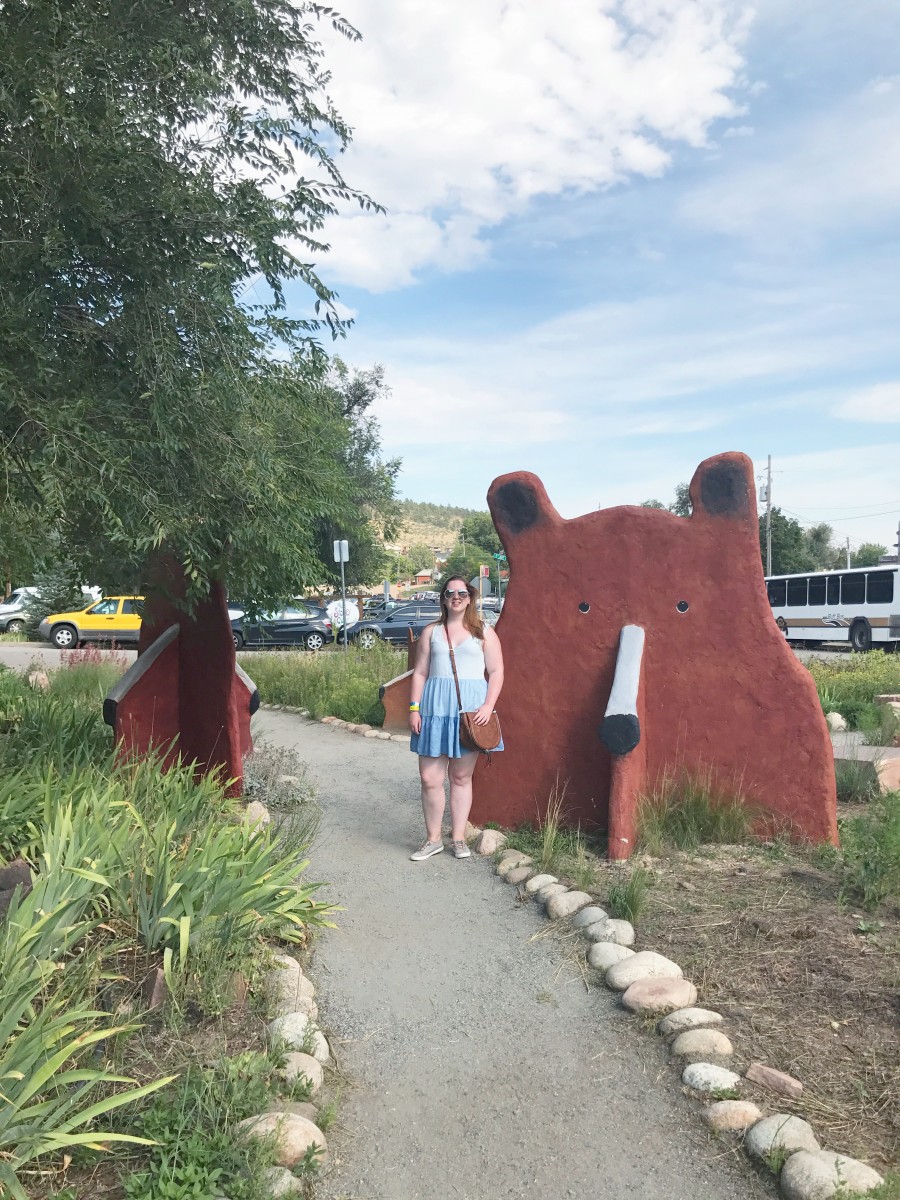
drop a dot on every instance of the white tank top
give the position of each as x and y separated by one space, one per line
469 657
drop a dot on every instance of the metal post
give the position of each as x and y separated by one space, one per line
848 553
769 517
344 602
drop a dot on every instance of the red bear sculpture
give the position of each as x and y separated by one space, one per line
639 643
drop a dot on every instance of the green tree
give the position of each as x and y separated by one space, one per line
653 504
791 552
680 506
421 556
151 173
821 551
467 562
478 530
58 590
867 555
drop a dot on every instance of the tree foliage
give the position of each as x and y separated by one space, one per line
479 530
165 172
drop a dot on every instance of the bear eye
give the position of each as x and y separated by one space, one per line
682 606
584 606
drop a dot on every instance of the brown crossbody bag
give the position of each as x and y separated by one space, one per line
482 738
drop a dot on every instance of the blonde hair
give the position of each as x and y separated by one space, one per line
471 618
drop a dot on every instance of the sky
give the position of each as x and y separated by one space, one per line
622 236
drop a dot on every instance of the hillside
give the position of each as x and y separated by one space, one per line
424 524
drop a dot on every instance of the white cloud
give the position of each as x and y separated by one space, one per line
463 113
878 403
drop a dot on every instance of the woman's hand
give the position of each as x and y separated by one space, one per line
482 715
415 722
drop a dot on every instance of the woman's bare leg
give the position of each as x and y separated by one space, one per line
461 772
433 772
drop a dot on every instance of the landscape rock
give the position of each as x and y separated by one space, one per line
734 1115
548 890
402 737
472 831
621 933
384 736
647 964
567 905
589 916
155 990
293 1135
775 1081
706 1077
303 1066
280 1182
518 875
372 733
538 881
603 955
511 860
704 1043
489 841
321 1051
300 1108
288 989
819 1175
290 1029
688 1018
328 720
658 995
16 873
780 1132
39 680
836 723
363 728
256 813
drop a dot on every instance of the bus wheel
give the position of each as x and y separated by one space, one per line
782 625
861 636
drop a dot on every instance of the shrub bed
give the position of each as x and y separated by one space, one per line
849 685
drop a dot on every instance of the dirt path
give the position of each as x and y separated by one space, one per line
481 1065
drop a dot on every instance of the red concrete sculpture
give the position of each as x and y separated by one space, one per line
639 643
185 696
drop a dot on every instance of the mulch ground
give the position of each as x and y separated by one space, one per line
806 984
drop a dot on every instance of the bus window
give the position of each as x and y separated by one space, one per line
880 587
834 589
777 589
796 592
817 589
853 589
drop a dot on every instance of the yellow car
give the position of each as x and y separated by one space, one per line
113 619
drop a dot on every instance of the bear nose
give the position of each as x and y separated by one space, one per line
620 730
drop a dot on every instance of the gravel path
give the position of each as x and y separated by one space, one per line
480 1066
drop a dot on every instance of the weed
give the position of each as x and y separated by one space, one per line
849 685
688 810
548 854
856 780
870 852
584 871
881 727
889 1190
628 900
776 1158
725 1094
328 1112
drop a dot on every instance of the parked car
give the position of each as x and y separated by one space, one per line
112 619
299 625
12 610
394 625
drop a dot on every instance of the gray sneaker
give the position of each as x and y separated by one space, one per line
426 850
461 850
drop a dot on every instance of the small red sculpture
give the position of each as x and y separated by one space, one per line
185 696
638 643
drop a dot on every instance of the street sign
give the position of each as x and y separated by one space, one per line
341 552
499 557
485 571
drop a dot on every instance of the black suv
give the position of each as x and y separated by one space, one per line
394 625
304 626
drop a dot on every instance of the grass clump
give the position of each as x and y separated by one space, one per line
628 899
849 685
856 780
688 810
337 683
870 853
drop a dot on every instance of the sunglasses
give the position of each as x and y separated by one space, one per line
463 595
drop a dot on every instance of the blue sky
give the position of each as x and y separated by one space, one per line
623 235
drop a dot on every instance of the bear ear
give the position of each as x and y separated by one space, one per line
518 502
723 487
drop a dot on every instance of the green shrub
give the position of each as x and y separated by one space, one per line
337 683
849 685
689 809
628 899
856 780
870 852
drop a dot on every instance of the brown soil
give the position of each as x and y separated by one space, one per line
806 985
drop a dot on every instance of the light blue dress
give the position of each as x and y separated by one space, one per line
439 707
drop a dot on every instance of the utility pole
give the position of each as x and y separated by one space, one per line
848 554
769 516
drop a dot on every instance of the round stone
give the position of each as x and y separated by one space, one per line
293 1135
566 905
734 1115
658 995
280 1181
620 933
536 882
780 1132
256 813
705 1077
644 965
298 1065
819 1175
589 916
518 875
510 859
688 1018
549 889
320 1051
489 841
702 1044
290 1030
602 955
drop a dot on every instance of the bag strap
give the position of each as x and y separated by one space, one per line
453 665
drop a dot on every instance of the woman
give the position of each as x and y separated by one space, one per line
434 710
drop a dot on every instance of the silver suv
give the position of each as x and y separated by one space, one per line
12 614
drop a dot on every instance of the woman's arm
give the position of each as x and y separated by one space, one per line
420 674
493 665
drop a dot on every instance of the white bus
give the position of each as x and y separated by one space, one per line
860 606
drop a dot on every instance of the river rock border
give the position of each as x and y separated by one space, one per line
652 985
369 731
